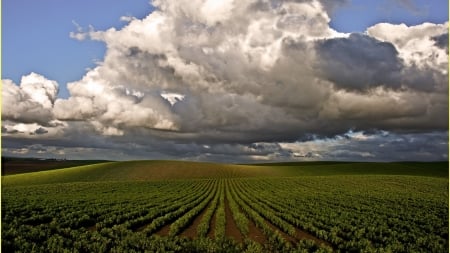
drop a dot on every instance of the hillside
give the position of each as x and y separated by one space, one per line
16 165
172 170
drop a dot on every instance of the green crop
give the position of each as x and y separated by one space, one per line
82 210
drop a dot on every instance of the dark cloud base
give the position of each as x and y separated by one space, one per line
377 146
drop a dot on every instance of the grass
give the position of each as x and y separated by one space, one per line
169 170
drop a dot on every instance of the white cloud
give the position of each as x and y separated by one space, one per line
173 98
414 43
39 89
127 18
31 101
216 11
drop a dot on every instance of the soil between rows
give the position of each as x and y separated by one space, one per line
191 230
164 231
231 229
255 234
287 237
212 226
299 235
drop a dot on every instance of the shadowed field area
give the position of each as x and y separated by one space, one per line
12 165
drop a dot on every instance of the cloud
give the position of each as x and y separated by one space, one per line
376 146
253 75
111 107
425 61
31 102
332 5
359 62
217 66
40 130
416 44
173 98
27 109
441 41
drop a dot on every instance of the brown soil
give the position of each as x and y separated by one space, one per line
139 229
283 234
92 228
255 233
231 229
164 231
191 230
212 226
300 234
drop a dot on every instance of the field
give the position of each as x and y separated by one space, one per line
172 206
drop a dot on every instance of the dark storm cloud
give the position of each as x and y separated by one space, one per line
442 41
40 131
423 78
394 147
359 62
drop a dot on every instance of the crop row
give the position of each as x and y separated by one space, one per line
238 216
172 212
194 209
204 226
369 213
356 218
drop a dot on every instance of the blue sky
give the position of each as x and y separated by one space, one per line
360 14
36 33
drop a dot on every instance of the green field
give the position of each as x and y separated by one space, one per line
174 206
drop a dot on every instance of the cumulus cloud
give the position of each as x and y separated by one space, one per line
425 60
113 106
416 44
243 75
225 69
31 101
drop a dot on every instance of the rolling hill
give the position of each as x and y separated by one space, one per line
173 170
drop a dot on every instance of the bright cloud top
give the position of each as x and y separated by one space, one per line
240 75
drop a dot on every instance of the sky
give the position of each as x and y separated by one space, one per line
225 81
36 36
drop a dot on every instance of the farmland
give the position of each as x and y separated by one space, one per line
175 206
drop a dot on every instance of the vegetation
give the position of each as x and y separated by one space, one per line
301 208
